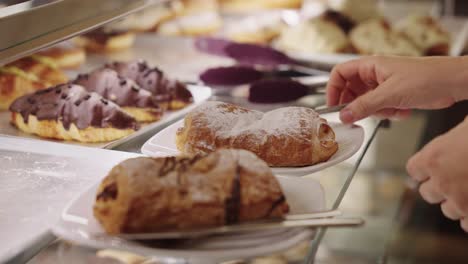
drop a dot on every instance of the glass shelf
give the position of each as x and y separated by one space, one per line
28 26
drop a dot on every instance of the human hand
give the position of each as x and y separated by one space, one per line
442 168
390 86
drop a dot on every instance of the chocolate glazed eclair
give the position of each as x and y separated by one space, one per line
179 193
155 81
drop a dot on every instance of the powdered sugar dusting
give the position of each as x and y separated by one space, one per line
229 120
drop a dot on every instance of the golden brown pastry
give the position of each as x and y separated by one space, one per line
43 68
290 136
14 83
426 34
65 55
139 103
314 36
178 193
376 37
255 5
69 112
102 40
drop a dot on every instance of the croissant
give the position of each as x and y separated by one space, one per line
180 193
287 137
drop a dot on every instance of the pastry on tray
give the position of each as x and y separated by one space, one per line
65 55
155 81
139 103
69 112
255 5
426 34
376 37
318 35
14 83
199 24
45 69
285 137
103 40
180 193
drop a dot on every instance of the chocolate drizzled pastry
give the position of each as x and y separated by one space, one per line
72 104
155 81
179 193
120 90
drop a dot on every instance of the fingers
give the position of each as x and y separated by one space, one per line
450 210
464 224
341 76
416 168
366 105
431 193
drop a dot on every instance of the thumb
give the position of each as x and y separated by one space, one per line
365 105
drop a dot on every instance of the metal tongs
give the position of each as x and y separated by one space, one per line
311 220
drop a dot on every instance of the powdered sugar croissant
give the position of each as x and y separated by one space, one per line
285 137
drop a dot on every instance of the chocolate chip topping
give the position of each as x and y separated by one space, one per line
72 108
233 203
120 90
153 80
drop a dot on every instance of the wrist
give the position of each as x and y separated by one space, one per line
460 92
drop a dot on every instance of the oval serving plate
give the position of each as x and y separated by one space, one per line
304 195
349 138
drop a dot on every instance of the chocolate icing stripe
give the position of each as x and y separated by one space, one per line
233 203
275 204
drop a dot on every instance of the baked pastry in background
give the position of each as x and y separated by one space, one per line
426 34
154 80
147 19
314 36
376 37
14 83
139 103
180 193
106 40
287 137
65 55
199 24
341 20
357 10
69 112
260 28
43 68
255 5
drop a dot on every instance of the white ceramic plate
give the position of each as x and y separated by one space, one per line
349 138
304 195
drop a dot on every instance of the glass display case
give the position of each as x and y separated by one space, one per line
29 26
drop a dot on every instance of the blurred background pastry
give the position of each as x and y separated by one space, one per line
314 36
104 40
377 37
358 10
66 55
426 34
260 28
200 24
255 5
